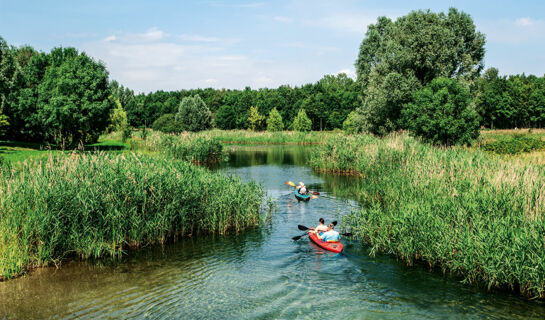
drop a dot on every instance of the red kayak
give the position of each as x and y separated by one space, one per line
331 246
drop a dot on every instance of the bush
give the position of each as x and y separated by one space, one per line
191 148
302 122
515 144
274 121
167 123
127 134
441 114
193 114
354 123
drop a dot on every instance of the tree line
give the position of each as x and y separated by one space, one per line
422 72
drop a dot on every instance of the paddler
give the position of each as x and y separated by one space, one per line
301 188
321 226
329 236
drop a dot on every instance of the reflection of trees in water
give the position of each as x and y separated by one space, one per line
244 156
344 186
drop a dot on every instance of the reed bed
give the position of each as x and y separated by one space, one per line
266 137
468 213
94 205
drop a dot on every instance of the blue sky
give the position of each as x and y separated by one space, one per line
171 45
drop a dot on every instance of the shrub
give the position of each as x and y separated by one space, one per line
441 114
167 123
274 121
193 114
354 123
302 122
515 144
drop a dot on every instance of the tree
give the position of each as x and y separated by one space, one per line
73 98
226 117
193 114
398 58
8 73
255 119
118 118
302 122
441 114
274 121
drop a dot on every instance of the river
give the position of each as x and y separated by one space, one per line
259 273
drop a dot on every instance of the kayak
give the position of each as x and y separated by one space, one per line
302 197
331 246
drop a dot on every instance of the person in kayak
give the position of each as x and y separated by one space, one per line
321 226
329 236
301 188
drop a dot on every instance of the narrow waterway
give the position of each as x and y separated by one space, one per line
260 273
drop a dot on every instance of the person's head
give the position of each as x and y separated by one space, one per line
321 220
331 226
301 184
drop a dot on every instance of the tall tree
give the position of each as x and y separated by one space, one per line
398 58
274 121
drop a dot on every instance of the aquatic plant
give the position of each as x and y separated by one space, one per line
477 216
94 205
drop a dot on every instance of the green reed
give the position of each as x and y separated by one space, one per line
476 216
94 205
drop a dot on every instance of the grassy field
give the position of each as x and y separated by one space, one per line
478 216
91 205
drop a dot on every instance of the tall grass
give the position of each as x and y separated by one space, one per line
266 137
91 205
477 216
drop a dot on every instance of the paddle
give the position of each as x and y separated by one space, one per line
303 228
289 183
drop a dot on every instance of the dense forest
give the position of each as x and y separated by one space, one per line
66 97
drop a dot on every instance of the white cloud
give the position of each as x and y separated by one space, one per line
525 22
155 60
349 72
110 38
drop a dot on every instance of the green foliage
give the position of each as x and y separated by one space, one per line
255 120
456 209
274 121
302 122
441 114
515 144
398 58
167 123
8 73
197 149
194 115
97 205
354 123
226 118
126 134
144 133
118 118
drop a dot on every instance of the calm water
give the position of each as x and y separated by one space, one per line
261 273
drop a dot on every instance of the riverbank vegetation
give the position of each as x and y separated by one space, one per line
456 209
94 205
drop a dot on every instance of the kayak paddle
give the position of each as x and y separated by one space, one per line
303 228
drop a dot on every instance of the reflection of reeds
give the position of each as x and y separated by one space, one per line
478 216
91 205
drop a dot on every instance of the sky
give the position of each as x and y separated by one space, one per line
173 45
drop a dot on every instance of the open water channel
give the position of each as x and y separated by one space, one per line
259 273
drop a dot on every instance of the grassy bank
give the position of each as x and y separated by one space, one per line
460 210
92 205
